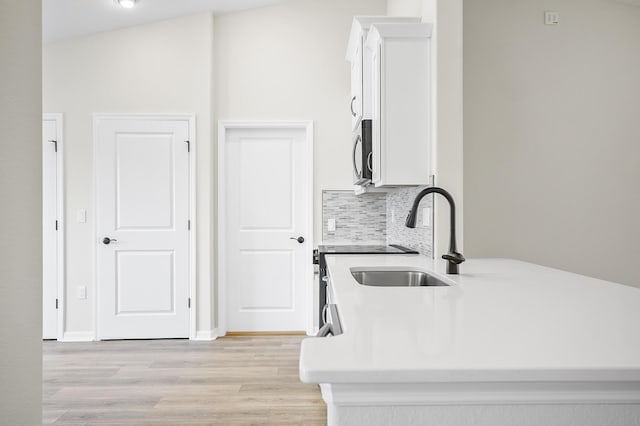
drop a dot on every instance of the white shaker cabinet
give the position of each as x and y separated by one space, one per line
401 103
357 83
360 64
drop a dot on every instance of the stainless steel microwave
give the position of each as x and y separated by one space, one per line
362 154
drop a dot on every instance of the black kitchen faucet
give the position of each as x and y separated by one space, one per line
453 258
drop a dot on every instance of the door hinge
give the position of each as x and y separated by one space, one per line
189 303
55 145
56 225
189 225
56 303
188 145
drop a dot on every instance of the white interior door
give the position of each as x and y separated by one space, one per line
267 202
51 223
142 195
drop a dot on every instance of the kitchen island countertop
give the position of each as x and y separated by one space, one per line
500 320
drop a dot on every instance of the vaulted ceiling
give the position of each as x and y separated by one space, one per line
70 18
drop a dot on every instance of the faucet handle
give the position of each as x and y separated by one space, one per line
454 257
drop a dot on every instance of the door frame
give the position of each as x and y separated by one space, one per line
223 127
60 277
192 255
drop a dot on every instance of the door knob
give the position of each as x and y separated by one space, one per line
299 239
107 240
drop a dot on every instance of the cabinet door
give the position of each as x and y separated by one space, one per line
400 104
356 86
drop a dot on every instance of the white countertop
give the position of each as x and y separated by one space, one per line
500 320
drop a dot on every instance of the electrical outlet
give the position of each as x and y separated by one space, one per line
426 216
331 225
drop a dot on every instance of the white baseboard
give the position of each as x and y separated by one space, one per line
206 335
77 336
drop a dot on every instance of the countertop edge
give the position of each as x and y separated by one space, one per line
319 365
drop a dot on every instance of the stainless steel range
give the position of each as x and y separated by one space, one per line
323 250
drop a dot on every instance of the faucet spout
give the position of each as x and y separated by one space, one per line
453 257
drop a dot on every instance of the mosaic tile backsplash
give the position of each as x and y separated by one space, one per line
376 218
359 218
420 238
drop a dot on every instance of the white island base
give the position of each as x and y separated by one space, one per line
489 404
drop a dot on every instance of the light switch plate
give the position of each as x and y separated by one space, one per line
551 17
331 225
81 292
82 216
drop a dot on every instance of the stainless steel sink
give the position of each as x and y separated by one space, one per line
380 278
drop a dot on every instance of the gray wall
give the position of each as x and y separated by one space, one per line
552 134
21 213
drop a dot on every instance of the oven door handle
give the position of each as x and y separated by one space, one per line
324 331
353 156
333 327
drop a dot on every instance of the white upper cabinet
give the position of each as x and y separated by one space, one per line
356 87
400 102
360 64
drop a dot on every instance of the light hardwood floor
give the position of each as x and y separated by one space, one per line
230 381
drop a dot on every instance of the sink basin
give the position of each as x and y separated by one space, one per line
380 278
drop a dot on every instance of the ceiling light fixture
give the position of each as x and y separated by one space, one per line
127 4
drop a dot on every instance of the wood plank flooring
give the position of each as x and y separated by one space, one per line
240 380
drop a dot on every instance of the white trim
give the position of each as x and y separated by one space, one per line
223 126
487 393
191 119
206 335
193 182
222 232
60 239
490 403
309 255
77 336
